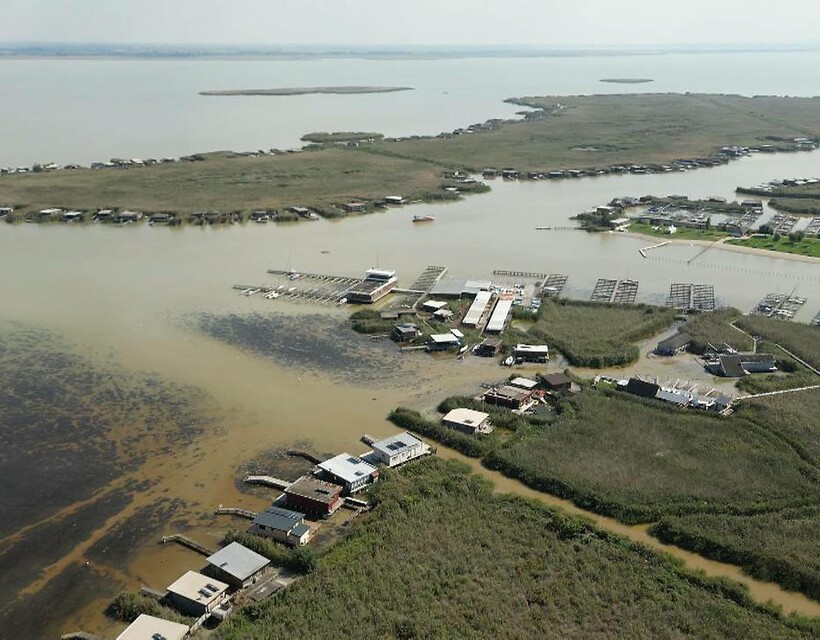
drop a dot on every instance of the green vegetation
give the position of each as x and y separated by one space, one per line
649 128
226 182
441 556
637 460
790 375
323 137
796 244
598 335
801 339
781 547
714 328
682 233
300 559
472 446
128 606
370 322
500 417
800 206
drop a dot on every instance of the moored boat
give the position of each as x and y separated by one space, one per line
423 218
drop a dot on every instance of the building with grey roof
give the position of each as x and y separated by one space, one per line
399 449
195 594
283 525
147 627
353 473
236 564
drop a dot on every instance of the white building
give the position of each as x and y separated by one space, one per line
351 472
195 594
399 449
147 627
468 421
532 352
477 309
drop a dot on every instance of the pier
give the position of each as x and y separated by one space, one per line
185 541
688 296
268 481
779 305
235 511
654 246
615 291
554 285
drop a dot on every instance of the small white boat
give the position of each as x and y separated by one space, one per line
463 350
508 361
292 289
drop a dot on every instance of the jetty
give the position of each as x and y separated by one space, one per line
520 274
554 285
235 511
268 481
185 541
615 291
779 305
654 246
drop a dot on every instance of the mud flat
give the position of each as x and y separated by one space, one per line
301 91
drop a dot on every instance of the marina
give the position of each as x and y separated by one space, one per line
688 296
779 305
615 291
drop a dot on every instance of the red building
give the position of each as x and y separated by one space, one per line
310 495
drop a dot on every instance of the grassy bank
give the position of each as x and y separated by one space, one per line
682 233
598 335
441 556
803 247
779 547
715 329
801 339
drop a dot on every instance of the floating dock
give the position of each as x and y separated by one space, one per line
615 291
520 274
553 285
688 296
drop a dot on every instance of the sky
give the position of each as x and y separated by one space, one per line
531 23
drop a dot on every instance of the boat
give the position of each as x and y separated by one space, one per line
463 350
423 218
508 361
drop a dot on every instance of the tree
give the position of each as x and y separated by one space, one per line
796 236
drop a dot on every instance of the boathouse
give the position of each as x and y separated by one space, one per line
353 473
737 365
674 345
507 396
377 284
442 342
147 627
311 495
196 595
283 525
236 564
532 352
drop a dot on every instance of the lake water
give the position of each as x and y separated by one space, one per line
134 301
95 109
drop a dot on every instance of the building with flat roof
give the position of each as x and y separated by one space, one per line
501 312
399 449
196 594
523 383
442 342
737 365
674 344
147 627
532 352
311 495
353 473
454 288
477 309
488 347
236 564
507 396
377 284
468 421
558 382
283 525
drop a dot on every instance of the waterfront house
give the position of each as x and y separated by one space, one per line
399 449
377 284
442 342
311 495
283 525
196 595
488 347
737 365
532 352
524 383
433 305
641 388
674 345
353 473
468 421
147 627
507 396
405 332
354 207
557 382
236 564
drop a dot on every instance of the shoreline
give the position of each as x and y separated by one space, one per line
299 91
723 245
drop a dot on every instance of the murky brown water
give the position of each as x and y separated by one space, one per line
130 298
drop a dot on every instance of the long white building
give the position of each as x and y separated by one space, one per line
477 309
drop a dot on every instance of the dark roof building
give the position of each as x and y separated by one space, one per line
311 495
737 365
507 396
556 382
674 344
638 387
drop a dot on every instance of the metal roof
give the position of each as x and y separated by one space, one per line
239 561
314 489
524 383
347 467
396 444
467 417
499 317
194 586
477 309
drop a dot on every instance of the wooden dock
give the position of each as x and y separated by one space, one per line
688 296
303 454
185 541
779 305
554 285
615 291
235 511
268 481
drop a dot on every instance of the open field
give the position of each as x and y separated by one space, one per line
637 460
224 182
598 335
714 328
781 547
801 339
605 130
805 247
441 556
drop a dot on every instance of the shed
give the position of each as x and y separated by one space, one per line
557 382
434 305
405 332
442 342
674 344
236 564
